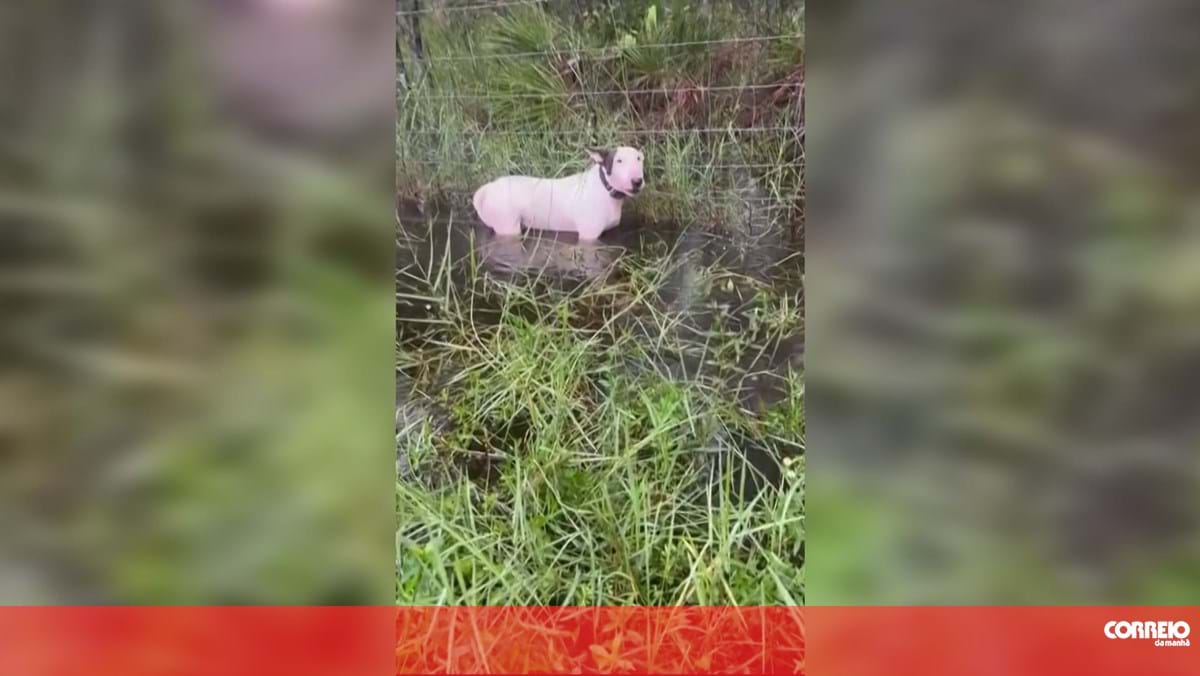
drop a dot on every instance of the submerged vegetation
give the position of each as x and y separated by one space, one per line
602 425
590 445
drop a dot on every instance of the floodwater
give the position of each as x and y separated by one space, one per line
746 256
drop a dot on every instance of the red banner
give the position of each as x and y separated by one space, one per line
980 641
764 640
244 641
196 641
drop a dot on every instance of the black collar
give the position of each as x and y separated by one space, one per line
612 192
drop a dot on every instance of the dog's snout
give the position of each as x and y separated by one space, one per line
637 184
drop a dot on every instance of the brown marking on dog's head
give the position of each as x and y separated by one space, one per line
623 167
602 157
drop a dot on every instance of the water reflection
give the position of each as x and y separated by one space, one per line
718 285
554 255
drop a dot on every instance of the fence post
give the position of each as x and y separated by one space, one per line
418 47
401 71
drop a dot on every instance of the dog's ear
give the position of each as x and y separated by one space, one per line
601 157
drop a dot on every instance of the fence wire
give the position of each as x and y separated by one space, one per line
612 52
766 142
630 132
467 8
666 91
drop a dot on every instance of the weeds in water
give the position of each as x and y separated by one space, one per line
607 441
582 446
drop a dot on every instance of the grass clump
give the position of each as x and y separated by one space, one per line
715 109
583 447
611 441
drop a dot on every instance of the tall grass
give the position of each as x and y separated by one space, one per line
601 442
564 459
643 75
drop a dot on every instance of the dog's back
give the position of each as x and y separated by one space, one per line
540 203
502 203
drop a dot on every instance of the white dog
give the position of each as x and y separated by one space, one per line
587 203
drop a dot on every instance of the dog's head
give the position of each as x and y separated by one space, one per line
622 168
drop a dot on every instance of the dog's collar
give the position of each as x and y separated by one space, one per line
612 192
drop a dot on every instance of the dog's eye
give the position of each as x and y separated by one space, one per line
620 161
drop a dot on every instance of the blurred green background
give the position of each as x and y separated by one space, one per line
195 302
1004 303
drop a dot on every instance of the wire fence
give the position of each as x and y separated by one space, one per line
613 52
471 105
707 167
665 91
628 132
466 8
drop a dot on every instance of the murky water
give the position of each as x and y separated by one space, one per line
714 277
